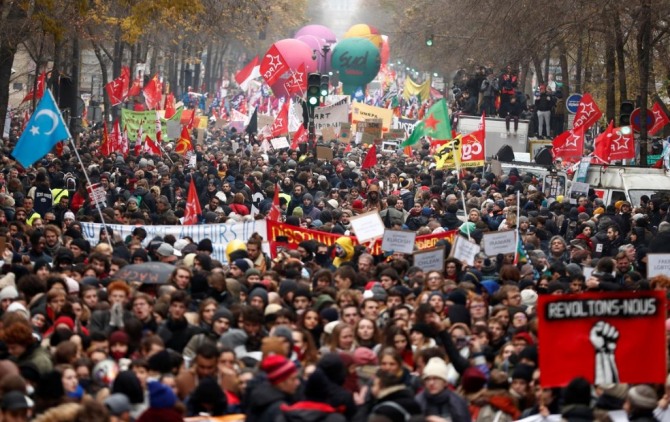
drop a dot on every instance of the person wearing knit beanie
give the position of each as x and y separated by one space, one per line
641 402
162 402
278 369
282 383
436 398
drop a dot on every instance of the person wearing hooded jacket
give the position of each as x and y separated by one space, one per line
275 386
308 208
344 251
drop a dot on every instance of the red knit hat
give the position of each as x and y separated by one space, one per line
278 368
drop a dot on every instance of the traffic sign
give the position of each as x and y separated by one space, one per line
635 119
572 103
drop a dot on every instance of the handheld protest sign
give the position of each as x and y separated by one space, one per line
368 226
607 338
430 259
658 264
324 153
503 242
464 250
398 241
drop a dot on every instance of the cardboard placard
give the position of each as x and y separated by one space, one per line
658 264
598 336
430 259
324 153
279 143
496 168
345 133
395 134
398 241
328 134
3 245
464 250
503 242
368 226
201 136
367 138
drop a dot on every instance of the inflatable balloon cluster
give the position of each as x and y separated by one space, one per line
357 58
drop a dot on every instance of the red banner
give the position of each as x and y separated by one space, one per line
616 337
588 113
296 235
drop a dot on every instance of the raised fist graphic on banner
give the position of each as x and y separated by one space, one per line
604 338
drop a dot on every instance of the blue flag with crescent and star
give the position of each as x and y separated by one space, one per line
44 130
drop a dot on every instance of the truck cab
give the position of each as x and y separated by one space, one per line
627 183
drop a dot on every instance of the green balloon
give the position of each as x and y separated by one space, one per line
356 60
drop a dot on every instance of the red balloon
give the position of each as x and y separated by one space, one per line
295 52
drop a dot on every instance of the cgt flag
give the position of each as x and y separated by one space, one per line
43 131
601 337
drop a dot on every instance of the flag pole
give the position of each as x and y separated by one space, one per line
516 229
88 180
465 210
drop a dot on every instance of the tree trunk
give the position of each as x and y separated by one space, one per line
643 60
75 116
7 52
578 63
153 64
588 69
172 66
620 57
565 70
208 67
610 74
103 70
547 62
538 70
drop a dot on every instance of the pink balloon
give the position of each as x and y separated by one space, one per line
322 61
318 31
295 52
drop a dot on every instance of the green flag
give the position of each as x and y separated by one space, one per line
435 124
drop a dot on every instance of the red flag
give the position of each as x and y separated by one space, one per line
273 65
297 82
115 137
169 106
192 206
41 82
299 137
26 119
588 112
622 144
249 72
569 144
105 147
348 148
136 88
280 125
151 146
370 159
117 90
184 143
191 121
275 211
153 92
125 81
138 141
603 145
660 119
124 143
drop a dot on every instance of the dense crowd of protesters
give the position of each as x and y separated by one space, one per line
322 332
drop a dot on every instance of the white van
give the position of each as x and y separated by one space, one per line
615 183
